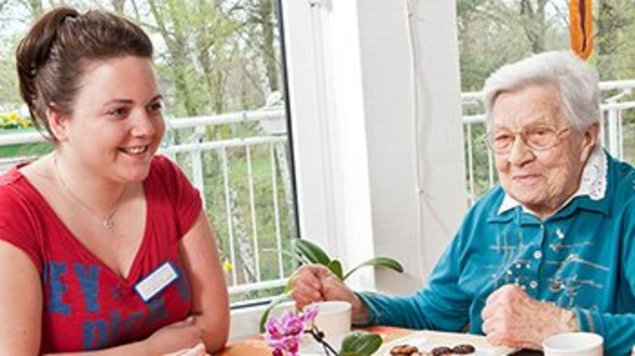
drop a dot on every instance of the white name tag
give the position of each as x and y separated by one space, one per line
156 281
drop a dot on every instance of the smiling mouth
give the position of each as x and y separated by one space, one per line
136 150
522 177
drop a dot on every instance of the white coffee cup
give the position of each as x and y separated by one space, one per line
569 344
334 320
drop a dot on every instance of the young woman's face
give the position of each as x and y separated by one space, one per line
117 121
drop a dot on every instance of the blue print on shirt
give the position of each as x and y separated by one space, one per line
89 279
182 283
57 288
133 322
102 331
157 309
115 320
95 334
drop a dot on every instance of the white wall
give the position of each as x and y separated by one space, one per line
373 104
368 121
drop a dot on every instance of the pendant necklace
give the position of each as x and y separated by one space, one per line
107 221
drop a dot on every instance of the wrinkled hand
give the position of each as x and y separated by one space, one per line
512 318
314 283
175 337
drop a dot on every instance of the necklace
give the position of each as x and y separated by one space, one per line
108 220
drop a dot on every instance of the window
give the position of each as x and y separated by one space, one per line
221 72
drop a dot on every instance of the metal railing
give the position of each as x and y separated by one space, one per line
618 132
239 162
262 142
242 249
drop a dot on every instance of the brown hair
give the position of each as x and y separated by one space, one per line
55 53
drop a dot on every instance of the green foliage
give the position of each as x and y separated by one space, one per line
12 120
335 266
9 92
480 159
360 343
383 262
274 303
312 252
264 223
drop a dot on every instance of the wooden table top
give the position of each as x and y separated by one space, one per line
256 346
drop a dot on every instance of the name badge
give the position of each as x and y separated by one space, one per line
156 281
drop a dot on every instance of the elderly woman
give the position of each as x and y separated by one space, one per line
547 251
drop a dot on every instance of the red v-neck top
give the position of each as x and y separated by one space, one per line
86 305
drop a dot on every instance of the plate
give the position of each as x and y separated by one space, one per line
421 342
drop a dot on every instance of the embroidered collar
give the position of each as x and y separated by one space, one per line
592 183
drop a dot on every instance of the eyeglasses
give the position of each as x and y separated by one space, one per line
537 138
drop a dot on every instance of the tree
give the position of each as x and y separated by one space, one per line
615 27
533 15
36 7
118 6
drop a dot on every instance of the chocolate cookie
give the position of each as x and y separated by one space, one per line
441 350
404 350
464 349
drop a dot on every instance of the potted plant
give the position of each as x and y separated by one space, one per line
305 251
284 336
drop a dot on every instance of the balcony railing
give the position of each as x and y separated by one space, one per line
240 163
618 133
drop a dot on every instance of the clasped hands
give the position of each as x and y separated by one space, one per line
510 317
183 336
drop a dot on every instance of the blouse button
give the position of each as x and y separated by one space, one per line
533 284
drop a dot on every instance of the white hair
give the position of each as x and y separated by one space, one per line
574 79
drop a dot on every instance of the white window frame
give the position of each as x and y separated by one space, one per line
374 96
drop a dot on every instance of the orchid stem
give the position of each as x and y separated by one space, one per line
319 337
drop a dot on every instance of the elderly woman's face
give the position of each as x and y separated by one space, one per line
540 179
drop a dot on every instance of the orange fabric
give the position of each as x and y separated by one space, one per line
581 27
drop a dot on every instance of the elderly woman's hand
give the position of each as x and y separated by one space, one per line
513 318
313 283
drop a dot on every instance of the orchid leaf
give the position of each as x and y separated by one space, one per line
288 287
311 251
293 255
336 267
360 343
274 302
381 262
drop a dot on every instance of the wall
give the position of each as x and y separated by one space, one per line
378 141
388 74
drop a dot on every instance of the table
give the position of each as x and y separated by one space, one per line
256 346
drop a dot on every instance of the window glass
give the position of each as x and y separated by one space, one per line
221 72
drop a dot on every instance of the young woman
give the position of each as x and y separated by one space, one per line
103 245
